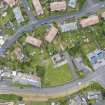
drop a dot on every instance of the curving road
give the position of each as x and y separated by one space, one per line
65 89
33 24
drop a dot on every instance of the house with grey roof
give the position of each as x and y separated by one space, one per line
58 59
81 66
68 27
18 15
72 3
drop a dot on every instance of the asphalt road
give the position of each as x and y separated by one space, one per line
33 24
96 76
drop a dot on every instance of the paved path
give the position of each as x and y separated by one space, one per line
71 65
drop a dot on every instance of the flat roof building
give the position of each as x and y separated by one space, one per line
33 41
58 6
69 27
91 20
18 15
38 7
51 34
11 2
72 3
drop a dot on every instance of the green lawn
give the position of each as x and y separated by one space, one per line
56 76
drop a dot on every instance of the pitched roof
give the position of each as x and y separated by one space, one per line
58 6
18 53
38 7
33 41
51 34
91 20
68 27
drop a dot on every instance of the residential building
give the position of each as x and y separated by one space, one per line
91 20
18 15
38 7
58 59
51 34
94 95
11 2
58 6
7 103
97 58
27 79
72 3
103 15
81 66
68 27
33 41
18 53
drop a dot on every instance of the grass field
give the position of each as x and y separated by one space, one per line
57 76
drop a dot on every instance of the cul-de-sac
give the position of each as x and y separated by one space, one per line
52 52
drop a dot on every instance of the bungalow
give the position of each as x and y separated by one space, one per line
68 27
72 3
18 15
18 53
91 20
58 6
33 41
38 7
51 34
11 2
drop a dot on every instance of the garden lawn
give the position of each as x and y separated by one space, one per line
56 76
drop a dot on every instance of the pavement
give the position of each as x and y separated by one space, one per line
71 65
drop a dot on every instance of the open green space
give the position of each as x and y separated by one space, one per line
57 76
